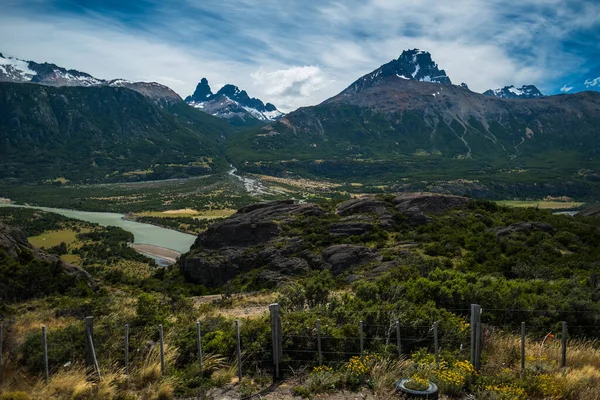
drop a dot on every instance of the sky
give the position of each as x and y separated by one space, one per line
297 53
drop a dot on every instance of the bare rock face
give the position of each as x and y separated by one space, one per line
247 240
277 239
253 225
417 206
362 205
15 244
344 256
522 227
590 212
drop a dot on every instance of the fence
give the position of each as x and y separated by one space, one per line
295 347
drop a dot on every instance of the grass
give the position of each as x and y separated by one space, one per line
54 238
541 204
188 212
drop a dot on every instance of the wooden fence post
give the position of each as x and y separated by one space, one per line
89 333
523 347
45 349
162 349
199 343
564 345
362 343
95 364
239 349
276 340
473 332
319 342
398 343
436 344
1 340
127 349
478 344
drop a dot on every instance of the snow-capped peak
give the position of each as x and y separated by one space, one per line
511 92
414 64
231 102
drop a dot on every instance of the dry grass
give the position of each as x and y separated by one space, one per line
385 373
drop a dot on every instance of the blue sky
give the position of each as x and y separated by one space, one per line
300 52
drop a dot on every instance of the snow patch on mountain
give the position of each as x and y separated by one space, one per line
13 69
231 102
511 92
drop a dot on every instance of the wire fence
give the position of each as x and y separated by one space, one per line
293 346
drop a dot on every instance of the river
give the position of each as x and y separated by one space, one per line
143 234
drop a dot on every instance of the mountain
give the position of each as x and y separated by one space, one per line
232 104
424 131
415 65
101 133
511 92
21 71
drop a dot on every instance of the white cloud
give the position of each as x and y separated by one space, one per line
310 50
592 82
566 88
291 87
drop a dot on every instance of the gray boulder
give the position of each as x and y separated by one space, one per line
418 206
521 227
342 257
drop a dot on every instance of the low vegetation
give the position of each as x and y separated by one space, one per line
541 276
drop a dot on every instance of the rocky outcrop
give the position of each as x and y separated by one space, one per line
16 245
590 212
253 225
418 206
283 239
344 256
521 227
363 205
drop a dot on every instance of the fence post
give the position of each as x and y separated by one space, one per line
398 338
127 349
239 349
89 335
199 342
45 348
319 341
523 347
436 344
276 339
1 339
473 332
162 349
362 343
478 339
564 344
90 341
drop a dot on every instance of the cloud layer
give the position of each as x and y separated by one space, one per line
300 52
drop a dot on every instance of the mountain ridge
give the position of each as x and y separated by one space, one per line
232 104
16 70
431 130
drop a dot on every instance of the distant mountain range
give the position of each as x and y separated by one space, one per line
21 71
511 92
406 120
232 104
404 124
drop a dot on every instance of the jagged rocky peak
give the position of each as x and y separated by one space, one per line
464 86
511 92
202 92
232 103
415 65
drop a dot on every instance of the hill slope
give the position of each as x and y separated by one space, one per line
99 134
